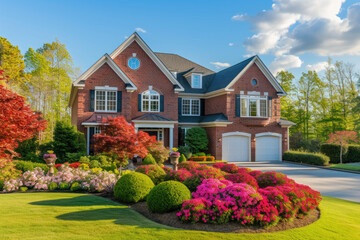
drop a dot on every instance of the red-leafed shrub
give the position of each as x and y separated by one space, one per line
189 165
155 172
242 178
180 175
255 173
272 179
167 169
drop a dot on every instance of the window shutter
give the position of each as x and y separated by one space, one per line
270 106
119 96
179 106
237 105
202 107
92 100
161 103
139 103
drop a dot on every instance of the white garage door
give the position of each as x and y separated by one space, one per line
268 148
235 147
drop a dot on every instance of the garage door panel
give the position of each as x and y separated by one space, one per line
235 148
267 148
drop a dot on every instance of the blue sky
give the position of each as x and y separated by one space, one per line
286 34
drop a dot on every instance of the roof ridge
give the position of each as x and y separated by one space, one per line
250 58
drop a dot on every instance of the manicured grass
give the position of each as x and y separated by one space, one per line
80 216
346 167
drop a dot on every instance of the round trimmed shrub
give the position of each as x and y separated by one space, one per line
149 160
133 187
52 186
75 187
64 186
167 196
155 172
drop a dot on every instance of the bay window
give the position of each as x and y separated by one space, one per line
254 106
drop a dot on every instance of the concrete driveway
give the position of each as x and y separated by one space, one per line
328 182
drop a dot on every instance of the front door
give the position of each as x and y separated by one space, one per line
157 132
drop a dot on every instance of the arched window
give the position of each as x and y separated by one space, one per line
150 101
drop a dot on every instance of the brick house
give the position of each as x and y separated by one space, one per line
166 94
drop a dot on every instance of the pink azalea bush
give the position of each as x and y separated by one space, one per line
88 180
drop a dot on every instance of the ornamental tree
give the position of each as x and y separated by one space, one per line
196 138
342 138
17 121
120 139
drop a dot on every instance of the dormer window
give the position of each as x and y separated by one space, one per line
196 80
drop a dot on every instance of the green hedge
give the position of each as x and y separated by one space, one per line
333 152
29 166
304 157
353 154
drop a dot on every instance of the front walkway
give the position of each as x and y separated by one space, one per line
330 183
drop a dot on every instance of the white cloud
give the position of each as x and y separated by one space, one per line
231 44
294 27
285 62
140 30
317 67
219 65
126 37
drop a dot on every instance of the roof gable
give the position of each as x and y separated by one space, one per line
80 82
151 54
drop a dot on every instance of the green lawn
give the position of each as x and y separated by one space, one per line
80 216
346 167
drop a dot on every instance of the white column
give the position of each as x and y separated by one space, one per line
88 140
171 138
288 139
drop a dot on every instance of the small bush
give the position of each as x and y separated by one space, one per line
182 158
2 184
75 187
95 164
201 154
167 196
304 157
84 167
149 160
272 179
64 186
333 151
23 189
353 154
242 178
133 187
84 159
199 175
155 172
189 165
52 186
180 175
74 157
159 152
29 166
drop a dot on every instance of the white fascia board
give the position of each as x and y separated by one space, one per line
154 122
264 70
151 54
207 95
215 124
104 59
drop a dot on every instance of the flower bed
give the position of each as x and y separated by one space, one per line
91 181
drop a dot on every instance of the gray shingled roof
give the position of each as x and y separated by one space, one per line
218 117
152 117
286 122
99 117
211 80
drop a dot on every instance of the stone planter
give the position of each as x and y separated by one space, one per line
50 162
174 161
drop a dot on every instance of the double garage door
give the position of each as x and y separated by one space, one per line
236 147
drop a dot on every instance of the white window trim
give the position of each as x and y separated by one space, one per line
106 99
191 100
257 98
97 130
142 102
192 83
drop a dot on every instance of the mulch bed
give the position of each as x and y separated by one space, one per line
170 219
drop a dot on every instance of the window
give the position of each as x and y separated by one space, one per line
97 130
134 63
191 107
196 80
150 101
254 106
254 82
105 101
